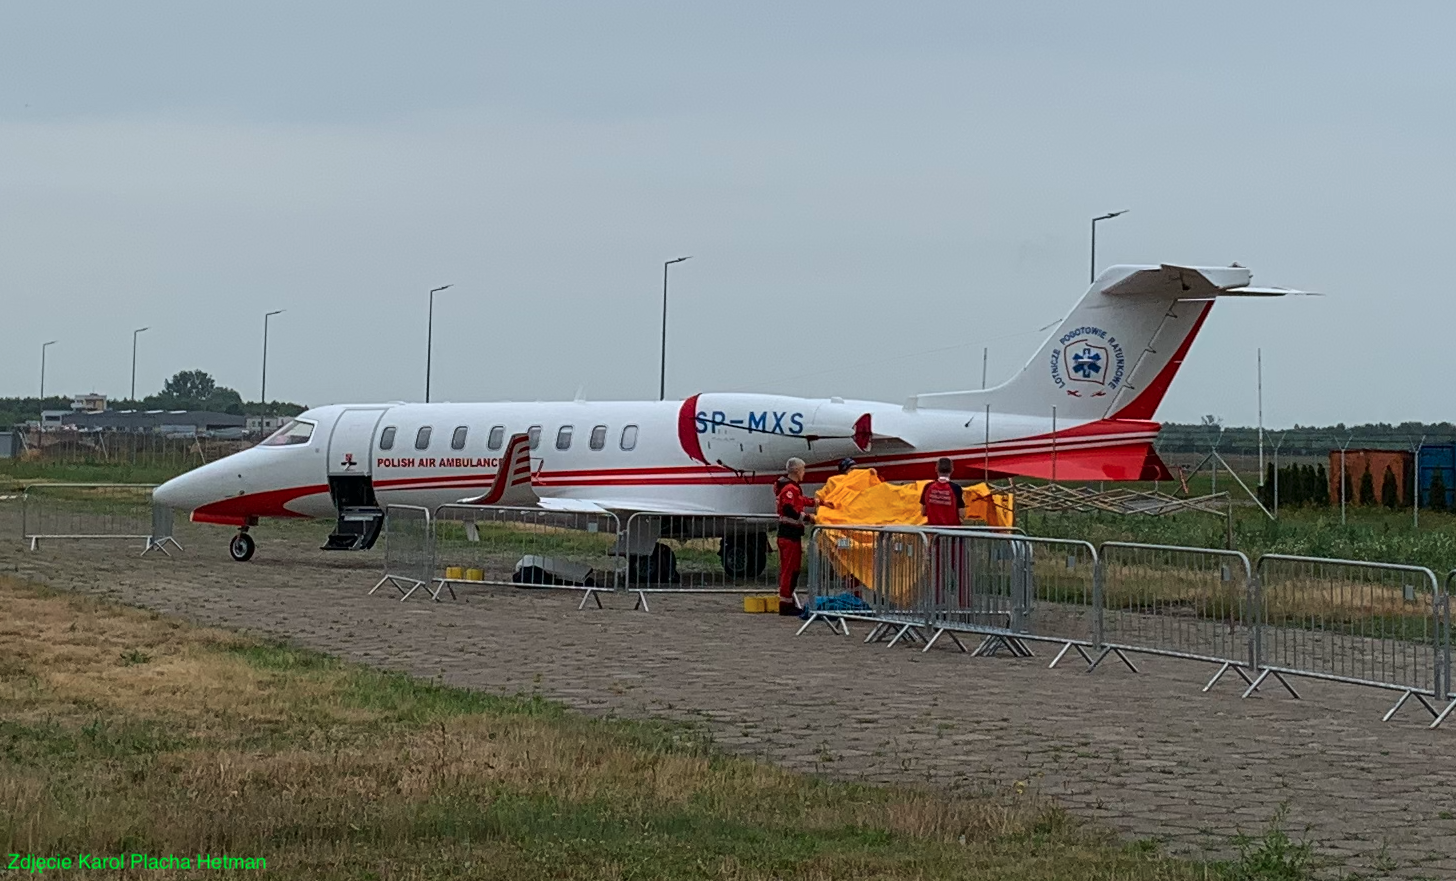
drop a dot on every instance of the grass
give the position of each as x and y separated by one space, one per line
1369 533
16 473
128 732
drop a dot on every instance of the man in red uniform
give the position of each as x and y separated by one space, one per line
942 502
790 502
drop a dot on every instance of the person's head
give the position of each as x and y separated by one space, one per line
795 468
943 468
845 465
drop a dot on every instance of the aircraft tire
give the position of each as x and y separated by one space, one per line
744 556
241 547
658 567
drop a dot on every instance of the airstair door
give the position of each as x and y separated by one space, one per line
351 466
351 446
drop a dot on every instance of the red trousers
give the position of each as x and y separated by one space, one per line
791 554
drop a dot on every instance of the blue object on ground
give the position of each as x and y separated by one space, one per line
843 602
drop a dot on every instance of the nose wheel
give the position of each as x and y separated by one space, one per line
241 547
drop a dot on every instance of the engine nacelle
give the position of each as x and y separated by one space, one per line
761 432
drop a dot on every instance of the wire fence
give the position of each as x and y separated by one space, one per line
409 550
96 512
527 547
1374 624
1193 603
699 553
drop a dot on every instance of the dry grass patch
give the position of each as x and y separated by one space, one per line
124 731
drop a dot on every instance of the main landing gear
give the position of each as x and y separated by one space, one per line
242 546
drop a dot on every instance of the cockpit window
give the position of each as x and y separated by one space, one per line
294 432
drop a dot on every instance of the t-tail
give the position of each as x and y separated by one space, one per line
1116 354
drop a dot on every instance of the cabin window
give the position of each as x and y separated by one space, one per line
629 437
457 440
422 438
293 433
599 437
563 438
497 437
533 435
386 438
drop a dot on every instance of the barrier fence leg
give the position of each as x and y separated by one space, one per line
944 632
1443 714
1120 656
1067 647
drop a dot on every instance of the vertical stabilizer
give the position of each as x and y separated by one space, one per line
1116 354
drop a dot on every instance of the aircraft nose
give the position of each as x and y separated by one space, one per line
180 493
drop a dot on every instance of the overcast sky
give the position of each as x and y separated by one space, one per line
854 181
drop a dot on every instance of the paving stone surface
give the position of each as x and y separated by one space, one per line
1147 754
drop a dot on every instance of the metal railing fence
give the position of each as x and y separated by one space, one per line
867 573
1199 604
699 553
1373 624
409 550
96 511
527 547
1012 589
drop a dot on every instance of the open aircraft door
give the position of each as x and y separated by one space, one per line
351 466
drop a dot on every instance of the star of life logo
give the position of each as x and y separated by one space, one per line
1088 362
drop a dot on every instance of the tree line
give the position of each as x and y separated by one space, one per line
1301 440
185 390
1309 486
1300 486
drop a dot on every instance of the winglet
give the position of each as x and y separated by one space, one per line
512 485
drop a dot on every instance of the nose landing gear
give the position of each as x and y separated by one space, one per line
242 546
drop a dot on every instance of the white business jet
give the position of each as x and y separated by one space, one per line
1081 409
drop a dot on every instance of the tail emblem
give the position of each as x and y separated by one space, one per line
1087 363
1090 356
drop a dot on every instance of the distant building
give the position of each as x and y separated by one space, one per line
184 423
92 403
51 419
265 424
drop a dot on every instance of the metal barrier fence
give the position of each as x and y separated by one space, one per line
698 553
527 547
96 511
1374 624
1445 615
1194 603
1012 589
867 573
409 550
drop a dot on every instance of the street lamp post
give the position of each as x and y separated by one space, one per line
43 348
662 379
1092 275
133 360
430 339
263 392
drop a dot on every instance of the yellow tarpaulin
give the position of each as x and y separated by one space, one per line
861 498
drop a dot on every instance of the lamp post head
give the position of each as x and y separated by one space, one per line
436 290
139 330
1111 215
267 315
677 260
51 343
